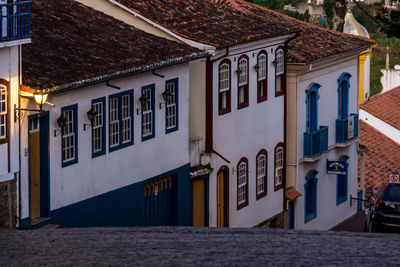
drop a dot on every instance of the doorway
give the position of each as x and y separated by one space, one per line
38 132
223 197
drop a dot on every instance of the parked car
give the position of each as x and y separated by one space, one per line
384 215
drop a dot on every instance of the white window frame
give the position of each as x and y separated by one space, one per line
147 114
278 165
68 137
242 183
98 127
224 84
262 67
114 122
171 110
261 173
3 111
242 67
280 62
126 119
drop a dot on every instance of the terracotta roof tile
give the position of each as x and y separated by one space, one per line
291 193
382 157
386 107
228 22
74 45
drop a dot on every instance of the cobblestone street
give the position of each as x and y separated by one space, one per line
167 246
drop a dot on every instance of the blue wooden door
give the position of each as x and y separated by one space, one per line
291 214
158 202
344 101
312 113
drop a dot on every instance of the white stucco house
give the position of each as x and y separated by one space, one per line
112 147
14 33
236 103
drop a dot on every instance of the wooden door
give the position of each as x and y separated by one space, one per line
198 202
221 199
34 152
158 202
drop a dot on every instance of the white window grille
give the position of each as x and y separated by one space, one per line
280 62
261 168
262 67
68 137
171 106
126 119
242 183
278 166
242 72
98 127
224 85
147 114
114 122
3 112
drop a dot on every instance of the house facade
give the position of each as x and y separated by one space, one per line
322 135
14 33
237 104
101 149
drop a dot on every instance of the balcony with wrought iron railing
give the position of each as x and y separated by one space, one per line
346 130
15 21
315 143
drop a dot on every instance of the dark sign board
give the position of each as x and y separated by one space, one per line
336 167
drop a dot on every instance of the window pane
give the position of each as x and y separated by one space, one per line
68 137
171 111
147 114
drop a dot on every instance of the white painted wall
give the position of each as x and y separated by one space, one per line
92 177
390 78
243 133
9 71
328 214
385 128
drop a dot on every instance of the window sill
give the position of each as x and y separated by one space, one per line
261 99
280 93
243 105
224 111
278 187
241 206
261 195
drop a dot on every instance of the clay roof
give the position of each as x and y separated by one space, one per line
228 22
381 158
215 22
385 107
74 45
291 193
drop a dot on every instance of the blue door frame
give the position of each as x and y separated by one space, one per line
312 108
344 101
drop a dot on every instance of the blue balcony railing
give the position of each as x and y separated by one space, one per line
316 143
15 21
347 129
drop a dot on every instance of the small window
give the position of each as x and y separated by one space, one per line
261 177
310 198
120 120
148 112
98 127
243 82
262 82
279 72
3 113
242 184
171 106
69 136
224 87
278 166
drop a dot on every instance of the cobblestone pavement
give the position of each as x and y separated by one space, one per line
183 246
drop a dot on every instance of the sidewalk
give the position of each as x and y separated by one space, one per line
353 224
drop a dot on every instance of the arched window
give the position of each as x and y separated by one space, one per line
262 77
243 81
280 81
224 87
343 96
261 175
4 117
310 198
341 181
312 108
242 184
279 161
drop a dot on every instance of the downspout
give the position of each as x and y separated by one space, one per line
285 208
19 142
209 102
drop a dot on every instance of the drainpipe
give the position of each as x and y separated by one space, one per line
361 151
19 142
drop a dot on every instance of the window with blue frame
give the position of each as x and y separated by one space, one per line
69 137
120 120
312 108
341 182
148 112
99 127
310 198
343 96
171 105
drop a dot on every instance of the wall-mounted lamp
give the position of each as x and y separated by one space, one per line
143 101
275 62
91 114
257 67
61 121
238 71
166 96
40 99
